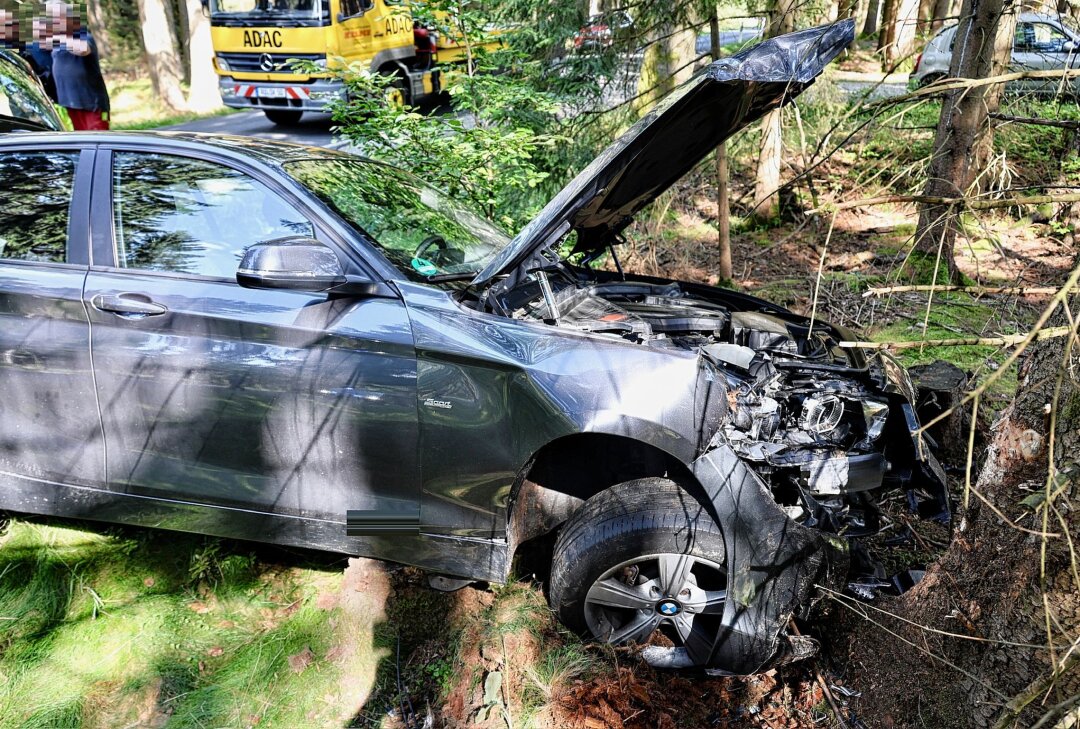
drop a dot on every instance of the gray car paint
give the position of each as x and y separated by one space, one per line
242 398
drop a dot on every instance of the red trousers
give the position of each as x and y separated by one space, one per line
88 121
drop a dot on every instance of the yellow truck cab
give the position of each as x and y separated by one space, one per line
254 40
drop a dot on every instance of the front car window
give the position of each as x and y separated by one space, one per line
182 215
37 201
428 236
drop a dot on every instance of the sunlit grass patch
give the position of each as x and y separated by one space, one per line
117 628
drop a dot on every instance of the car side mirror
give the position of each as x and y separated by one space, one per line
295 262
1068 47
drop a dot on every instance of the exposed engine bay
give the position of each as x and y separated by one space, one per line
829 430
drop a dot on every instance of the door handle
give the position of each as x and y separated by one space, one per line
128 305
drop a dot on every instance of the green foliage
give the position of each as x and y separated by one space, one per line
488 160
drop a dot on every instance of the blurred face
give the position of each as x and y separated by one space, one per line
63 19
40 29
9 26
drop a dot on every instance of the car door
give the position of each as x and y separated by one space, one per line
272 401
1041 46
50 428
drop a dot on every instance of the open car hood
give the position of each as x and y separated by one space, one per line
23 103
672 138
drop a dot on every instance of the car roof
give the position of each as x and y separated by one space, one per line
268 152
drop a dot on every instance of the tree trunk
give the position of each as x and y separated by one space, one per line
162 58
926 14
203 92
963 128
887 27
95 18
667 63
941 12
990 583
901 37
767 182
873 10
723 208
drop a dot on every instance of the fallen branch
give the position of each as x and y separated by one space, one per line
1007 202
977 290
1007 340
1008 118
951 84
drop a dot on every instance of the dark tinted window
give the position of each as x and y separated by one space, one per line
36 188
188 216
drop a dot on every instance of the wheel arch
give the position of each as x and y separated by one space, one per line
567 471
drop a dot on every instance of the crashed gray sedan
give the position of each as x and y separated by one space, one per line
298 346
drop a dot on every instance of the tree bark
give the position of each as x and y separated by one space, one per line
203 92
905 23
95 18
160 47
990 584
873 10
941 12
667 63
723 208
963 128
767 181
887 27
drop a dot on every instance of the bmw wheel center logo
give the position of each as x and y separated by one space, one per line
668 608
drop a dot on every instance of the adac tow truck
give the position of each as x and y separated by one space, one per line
254 40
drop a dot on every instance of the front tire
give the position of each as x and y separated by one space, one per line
638 558
283 117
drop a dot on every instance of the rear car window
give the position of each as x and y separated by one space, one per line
37 188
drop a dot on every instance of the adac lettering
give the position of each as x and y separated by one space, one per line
262 39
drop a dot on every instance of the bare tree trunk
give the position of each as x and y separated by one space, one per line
767 182
887 28
723 208
941 11
926 13
203 92
1007 588
95 18
873 10
904 24
162 58
963 127
667 63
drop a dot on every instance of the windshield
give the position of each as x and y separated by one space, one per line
430 237
303 9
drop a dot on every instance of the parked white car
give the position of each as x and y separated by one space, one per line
1043 42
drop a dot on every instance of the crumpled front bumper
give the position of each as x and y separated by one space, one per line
773 565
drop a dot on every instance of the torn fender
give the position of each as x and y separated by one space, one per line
773 564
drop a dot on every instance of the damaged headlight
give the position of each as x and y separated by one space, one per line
821 415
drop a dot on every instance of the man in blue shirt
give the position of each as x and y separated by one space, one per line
76 70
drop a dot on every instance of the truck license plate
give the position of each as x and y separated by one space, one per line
271 92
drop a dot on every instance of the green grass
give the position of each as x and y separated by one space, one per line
951 317
135 106
116 628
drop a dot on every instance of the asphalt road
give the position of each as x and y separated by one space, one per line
313 129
